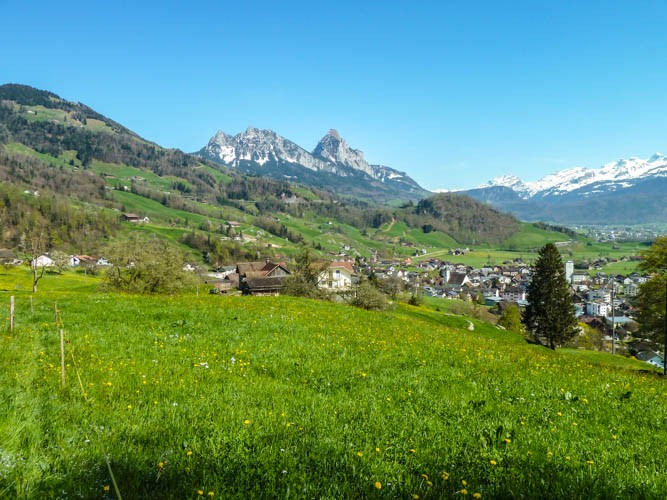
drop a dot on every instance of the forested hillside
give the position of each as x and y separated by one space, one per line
73 171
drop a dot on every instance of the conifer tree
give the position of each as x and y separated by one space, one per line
550 314
650 302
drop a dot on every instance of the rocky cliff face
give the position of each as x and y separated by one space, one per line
266 152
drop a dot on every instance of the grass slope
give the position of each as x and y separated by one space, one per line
281 397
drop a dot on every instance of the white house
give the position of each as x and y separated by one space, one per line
569 270
601 294
338 276
597 308
514 294
42 261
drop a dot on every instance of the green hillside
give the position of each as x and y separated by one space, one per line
55 154
192 396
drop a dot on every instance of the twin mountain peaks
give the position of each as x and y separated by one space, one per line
623 192
333 162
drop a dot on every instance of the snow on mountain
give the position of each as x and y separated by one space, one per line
261 147
333 148
332 154
610 177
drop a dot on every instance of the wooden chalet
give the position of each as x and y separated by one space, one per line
261 278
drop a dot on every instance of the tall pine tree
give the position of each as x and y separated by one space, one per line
550 313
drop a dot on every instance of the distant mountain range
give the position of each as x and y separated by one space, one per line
333 164
622 192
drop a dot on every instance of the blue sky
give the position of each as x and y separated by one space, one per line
454 93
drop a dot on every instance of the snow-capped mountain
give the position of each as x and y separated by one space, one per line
585 181
625 191
265 152
260 147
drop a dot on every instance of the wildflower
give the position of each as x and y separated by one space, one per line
445 476
425 476
360 454
508 440
493 462
415 496
464 482
200 492
106 487
378 485
377 450
429 483
463 491
189 453
412 450
477 495
211 494
590 462
246 422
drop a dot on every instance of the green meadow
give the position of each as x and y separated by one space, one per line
248 397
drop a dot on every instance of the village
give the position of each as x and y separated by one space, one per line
602 301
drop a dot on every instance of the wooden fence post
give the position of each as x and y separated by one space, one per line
62 356
11 313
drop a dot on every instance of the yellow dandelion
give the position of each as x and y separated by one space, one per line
360 454
415 496
508 440
211 494
590 462
464 482
106 487
377 450
425 476
477 495
200 492
378 485
412 450
189 453
445 476
464 491
429 483
246 422
493 462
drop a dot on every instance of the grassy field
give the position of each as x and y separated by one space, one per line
242 397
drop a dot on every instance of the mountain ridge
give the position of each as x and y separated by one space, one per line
265 152
623 191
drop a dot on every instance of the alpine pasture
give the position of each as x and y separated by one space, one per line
263 397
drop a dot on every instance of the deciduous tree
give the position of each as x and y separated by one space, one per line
147 266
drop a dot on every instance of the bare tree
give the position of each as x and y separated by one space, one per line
34 242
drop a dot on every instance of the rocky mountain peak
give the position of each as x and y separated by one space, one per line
265 148
333 148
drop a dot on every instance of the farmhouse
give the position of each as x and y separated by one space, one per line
261 278
128 217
